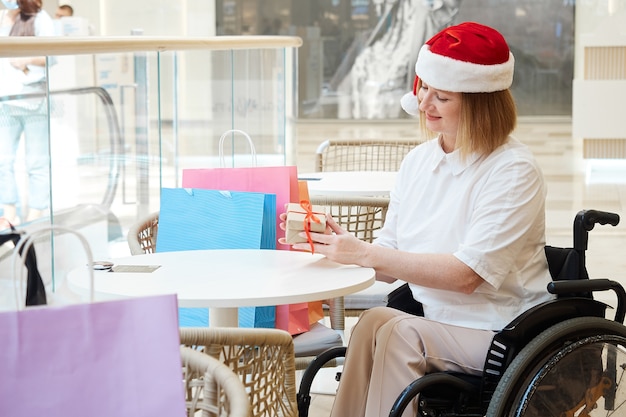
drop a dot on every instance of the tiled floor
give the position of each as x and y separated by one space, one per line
573 184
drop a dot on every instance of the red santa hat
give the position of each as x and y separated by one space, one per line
466 58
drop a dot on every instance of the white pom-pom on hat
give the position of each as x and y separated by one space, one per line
409 101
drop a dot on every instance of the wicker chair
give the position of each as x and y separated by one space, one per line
212 387
363 216
362 154
142 235
262 358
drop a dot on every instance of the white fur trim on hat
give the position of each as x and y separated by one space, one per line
444 73
410 104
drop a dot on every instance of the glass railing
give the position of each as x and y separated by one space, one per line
118 119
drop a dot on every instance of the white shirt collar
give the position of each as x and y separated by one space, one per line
454 158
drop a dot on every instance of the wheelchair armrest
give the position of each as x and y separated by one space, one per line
592 285
538 318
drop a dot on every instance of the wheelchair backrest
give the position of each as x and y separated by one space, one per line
566 264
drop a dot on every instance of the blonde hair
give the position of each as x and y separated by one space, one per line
486 120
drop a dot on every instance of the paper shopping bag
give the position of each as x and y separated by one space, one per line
259 317
280 180
118 358
303 191
293 318
35 289
316 309
192 219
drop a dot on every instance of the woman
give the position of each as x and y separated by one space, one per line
465 228
28 116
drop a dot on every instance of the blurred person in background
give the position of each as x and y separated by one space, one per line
64 10
24 116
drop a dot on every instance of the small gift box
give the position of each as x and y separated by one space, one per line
303 215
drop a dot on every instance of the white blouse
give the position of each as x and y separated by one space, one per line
487 211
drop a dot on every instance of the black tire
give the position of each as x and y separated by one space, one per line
554 372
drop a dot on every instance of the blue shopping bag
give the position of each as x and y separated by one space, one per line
193 219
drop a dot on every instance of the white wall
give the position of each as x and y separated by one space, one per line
594 16
600 83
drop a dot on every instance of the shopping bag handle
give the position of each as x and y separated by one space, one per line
221 146
28 240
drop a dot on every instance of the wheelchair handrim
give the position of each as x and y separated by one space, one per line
526 396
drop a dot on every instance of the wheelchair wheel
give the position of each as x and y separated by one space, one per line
573 369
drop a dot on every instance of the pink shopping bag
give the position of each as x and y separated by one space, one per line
279 180
118 358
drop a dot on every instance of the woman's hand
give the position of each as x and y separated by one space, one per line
335 243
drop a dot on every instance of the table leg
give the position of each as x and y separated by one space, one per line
224 317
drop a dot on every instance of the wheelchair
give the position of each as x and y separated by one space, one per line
561 358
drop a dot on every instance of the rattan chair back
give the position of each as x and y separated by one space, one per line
363 216
142 235
262 358
362 154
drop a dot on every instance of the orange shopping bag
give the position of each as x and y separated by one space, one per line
316 310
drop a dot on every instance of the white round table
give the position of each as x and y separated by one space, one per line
354 183
226 279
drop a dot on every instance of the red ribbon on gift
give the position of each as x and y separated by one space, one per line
310 216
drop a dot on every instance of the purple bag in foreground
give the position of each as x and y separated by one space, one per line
115 358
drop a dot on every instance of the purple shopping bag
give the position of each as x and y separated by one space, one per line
117 358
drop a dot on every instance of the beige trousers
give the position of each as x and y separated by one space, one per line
389 349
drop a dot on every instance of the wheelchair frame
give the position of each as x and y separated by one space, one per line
516 347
